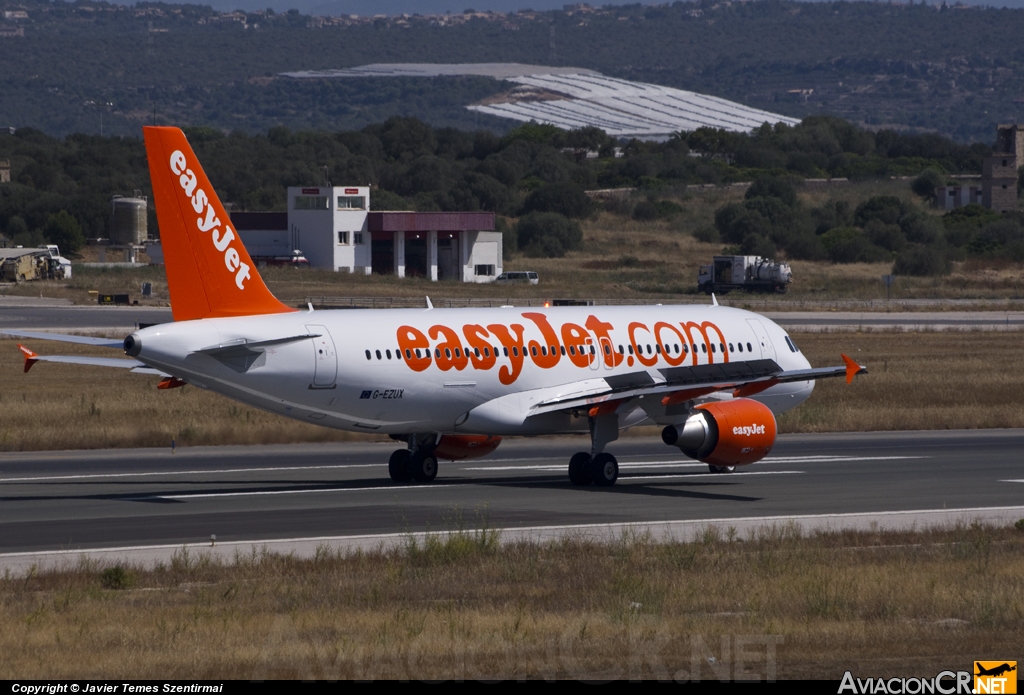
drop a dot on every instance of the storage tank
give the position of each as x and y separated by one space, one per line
128 221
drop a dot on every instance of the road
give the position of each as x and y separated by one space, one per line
52 501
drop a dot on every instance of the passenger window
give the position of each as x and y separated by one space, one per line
448 353
607 349
543 350
572 349
417 352
367 354
437 353
592 351
388 353
515 350
630 349
749 348
704 348
563 350
712 348
730 347
533 350
378 354
621 351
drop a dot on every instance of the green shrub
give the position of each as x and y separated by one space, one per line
920 261
645 211
117 577
547 235
567 199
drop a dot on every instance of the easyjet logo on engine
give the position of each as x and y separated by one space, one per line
584 346
748 430
208 220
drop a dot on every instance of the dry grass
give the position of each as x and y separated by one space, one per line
59 406
880 604
919 380
915 381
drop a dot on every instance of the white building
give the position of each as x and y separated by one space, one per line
334 229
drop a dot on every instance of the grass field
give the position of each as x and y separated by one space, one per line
916 380
769 605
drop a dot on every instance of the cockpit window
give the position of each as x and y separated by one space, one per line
792 346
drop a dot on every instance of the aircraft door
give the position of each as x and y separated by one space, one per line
767 348
325 364
592 356
606 356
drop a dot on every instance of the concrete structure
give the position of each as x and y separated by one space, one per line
949 197
334 229
5 171
999 172
128 223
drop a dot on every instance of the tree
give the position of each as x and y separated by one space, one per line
564 198
547 235
926 183
63 230
773 187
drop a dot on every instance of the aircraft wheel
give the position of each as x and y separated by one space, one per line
579 469
423 466
398 466
721 469
604 470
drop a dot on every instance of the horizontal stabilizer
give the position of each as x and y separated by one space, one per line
65 338
244 345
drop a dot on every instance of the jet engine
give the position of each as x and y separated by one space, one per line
725 433
456 447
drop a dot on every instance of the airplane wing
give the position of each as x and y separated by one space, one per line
680 384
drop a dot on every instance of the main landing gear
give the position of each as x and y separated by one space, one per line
415 463
597 467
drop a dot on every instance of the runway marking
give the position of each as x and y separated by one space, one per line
539 467
254 493
1011 481
696 464
90 476
719 476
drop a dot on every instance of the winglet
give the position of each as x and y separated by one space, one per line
853 369
30 357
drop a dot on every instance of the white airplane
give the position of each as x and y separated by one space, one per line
451 382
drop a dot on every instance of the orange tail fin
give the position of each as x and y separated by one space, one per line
209 272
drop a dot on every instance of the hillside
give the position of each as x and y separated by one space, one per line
74 67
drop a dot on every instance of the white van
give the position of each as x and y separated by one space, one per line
518 276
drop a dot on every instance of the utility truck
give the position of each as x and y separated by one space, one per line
751 273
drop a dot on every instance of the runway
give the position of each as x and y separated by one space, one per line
41 314
74 501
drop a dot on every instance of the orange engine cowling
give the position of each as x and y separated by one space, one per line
456 447
725 433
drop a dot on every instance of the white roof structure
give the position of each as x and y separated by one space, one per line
575 98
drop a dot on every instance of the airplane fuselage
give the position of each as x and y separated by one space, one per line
473 371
